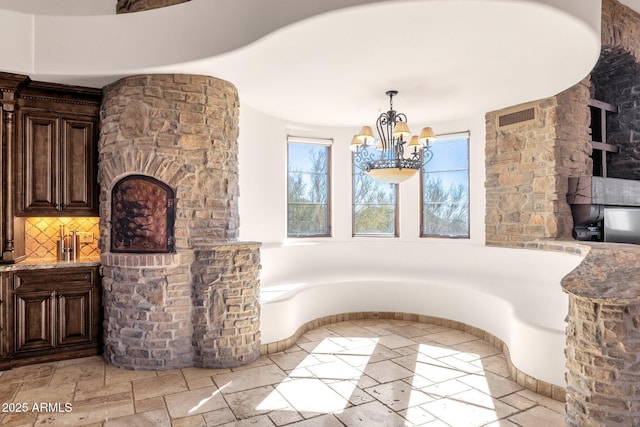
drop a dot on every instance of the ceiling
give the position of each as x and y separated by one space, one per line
323 63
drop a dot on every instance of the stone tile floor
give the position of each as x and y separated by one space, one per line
356 373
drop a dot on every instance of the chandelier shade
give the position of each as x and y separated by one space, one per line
384 159
401 130
392 175
366 135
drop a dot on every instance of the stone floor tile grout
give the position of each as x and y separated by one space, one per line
362 378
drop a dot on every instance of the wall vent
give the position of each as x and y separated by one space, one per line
517 117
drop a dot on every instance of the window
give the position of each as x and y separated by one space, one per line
375 206
445 188
308 187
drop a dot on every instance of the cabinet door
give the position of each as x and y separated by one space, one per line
56 164
74 316
58 308
34 321
41 163
78 180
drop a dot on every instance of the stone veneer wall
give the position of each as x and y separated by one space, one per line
528 165
181 130
603 354
226 312
126 6
603 338
603 324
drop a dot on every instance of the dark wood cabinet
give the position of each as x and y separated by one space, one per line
56 314
39 152
78 165
35 319
75 316
5 320
48 155
56 144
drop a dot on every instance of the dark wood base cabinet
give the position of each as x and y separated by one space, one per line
53 314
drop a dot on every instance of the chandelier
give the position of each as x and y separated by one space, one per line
384 159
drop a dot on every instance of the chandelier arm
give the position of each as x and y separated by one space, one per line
427 155
362 157
381 124
400 117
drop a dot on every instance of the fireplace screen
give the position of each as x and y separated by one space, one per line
142 215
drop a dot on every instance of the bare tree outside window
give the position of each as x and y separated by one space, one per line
445 188
308 190
374 206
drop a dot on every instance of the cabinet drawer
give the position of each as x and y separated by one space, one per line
51 279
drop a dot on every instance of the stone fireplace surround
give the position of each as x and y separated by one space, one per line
197 306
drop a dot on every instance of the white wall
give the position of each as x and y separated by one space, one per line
500 290
263 185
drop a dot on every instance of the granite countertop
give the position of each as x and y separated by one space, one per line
609 272
44 263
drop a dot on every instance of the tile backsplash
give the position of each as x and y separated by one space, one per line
42 234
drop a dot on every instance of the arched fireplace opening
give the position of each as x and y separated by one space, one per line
142 215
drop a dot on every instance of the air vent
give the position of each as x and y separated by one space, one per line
517 117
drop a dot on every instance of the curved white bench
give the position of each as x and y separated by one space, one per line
514 294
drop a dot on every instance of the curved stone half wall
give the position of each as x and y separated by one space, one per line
161 312
603 337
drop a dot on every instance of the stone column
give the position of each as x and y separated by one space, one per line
226 311
181 130
603 338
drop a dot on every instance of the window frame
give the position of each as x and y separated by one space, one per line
328 143
449 136
396 207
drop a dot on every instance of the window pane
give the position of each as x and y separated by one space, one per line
445 189
452 186
308 190
446 219
308 158
448 155
368 190
375 219
374 206
307 187
307 219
